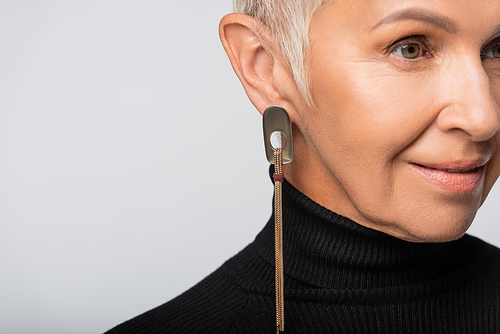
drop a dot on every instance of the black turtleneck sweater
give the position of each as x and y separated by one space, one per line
340 277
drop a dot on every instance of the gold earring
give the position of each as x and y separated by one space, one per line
279 150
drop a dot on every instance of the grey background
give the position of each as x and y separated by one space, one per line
131 162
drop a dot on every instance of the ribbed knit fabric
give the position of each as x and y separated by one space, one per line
339 278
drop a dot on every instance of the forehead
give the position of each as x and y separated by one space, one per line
452 15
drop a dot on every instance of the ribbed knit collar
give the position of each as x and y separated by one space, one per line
326 250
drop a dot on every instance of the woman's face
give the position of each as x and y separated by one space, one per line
405 136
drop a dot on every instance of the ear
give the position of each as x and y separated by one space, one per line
255 60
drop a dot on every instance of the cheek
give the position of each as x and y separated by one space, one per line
367 108
493 171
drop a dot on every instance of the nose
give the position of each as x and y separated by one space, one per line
470 106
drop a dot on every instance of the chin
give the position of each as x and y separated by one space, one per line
444 236
442 230
434 224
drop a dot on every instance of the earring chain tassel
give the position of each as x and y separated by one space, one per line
278 231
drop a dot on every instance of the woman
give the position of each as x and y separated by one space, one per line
395 129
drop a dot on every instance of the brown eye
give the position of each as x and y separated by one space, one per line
495 51
492 51
409 50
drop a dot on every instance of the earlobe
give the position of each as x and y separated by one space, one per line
249 48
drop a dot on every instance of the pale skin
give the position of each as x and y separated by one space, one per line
404 135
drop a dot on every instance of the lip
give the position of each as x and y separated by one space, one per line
456 176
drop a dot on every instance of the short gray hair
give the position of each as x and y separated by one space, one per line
288 21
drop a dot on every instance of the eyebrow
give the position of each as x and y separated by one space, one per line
419 15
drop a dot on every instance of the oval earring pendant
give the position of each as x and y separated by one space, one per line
277 133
